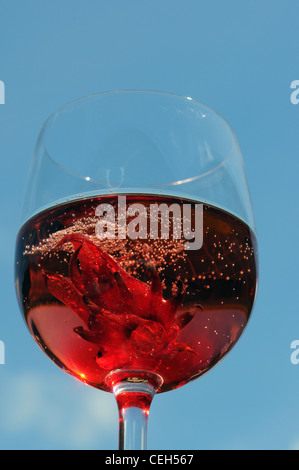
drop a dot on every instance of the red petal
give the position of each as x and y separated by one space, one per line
63 289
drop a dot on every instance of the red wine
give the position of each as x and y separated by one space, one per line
101 294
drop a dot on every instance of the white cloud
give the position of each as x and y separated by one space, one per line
295 444
62 412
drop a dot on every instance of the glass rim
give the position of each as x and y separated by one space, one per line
184 98
136 91
178 185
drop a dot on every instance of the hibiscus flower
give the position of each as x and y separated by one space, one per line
126 318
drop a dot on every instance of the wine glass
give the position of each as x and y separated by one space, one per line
136 262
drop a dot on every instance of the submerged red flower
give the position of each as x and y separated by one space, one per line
125 317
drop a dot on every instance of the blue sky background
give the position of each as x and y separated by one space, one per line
237 56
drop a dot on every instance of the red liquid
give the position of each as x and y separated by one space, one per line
95 306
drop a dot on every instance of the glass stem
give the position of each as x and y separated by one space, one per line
132 429
134 392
